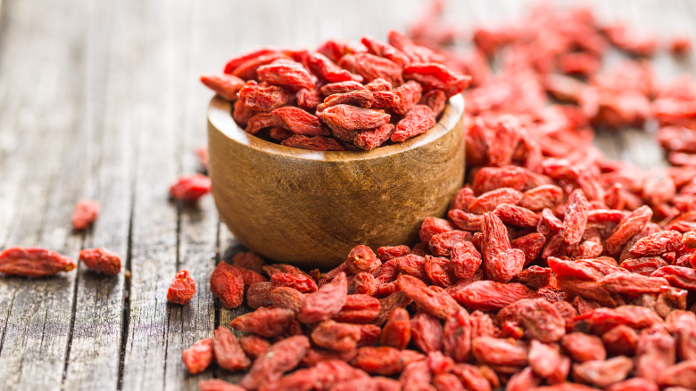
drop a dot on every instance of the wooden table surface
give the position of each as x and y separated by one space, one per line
101 100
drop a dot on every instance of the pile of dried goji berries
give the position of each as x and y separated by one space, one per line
555 269
317 100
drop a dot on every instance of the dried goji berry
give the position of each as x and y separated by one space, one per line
515 215
447 382
436 100
465 259
384 360
583 347
326 302
199 356
263 97
523 380
336 336
629 226
416 376
228 353
358 309
247 69
575 218
603 373
487 202
388 304
385 50
655 352
371 139
657 243
227 284
495 351
409 95
253 345
259 295
328 70
465 221
288 298
274 362
265 322
490 295
372 67
361 98
621 340
679 375
457 336
436 302
426 332
500 261
397 330
84 214
33 262
471 377
301 282
182 288
226 86
217 385
101 259
416 121
285 73
190 188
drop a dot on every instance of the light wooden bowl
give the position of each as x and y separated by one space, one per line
311 208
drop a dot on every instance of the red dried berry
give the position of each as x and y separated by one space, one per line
336 336
253 345
491 295
285 73
199 356
228 353
102 260
575 219
281 357
226 86
84 214
326 302
190 188
416 121
33 262
217 385
227 284
182 288
397 330
301 282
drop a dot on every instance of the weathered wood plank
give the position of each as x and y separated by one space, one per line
93 360
148 28
37 331
198 223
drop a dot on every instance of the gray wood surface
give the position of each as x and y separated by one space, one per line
100 99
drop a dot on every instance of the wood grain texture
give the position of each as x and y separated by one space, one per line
38 324
101 100
149 30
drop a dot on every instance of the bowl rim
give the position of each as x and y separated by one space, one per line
220 117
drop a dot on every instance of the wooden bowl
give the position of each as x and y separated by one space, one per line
310 208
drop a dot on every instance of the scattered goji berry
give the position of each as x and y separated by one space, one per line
33 262
84 214
102 260
227 284
275 361
182 288
199 356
